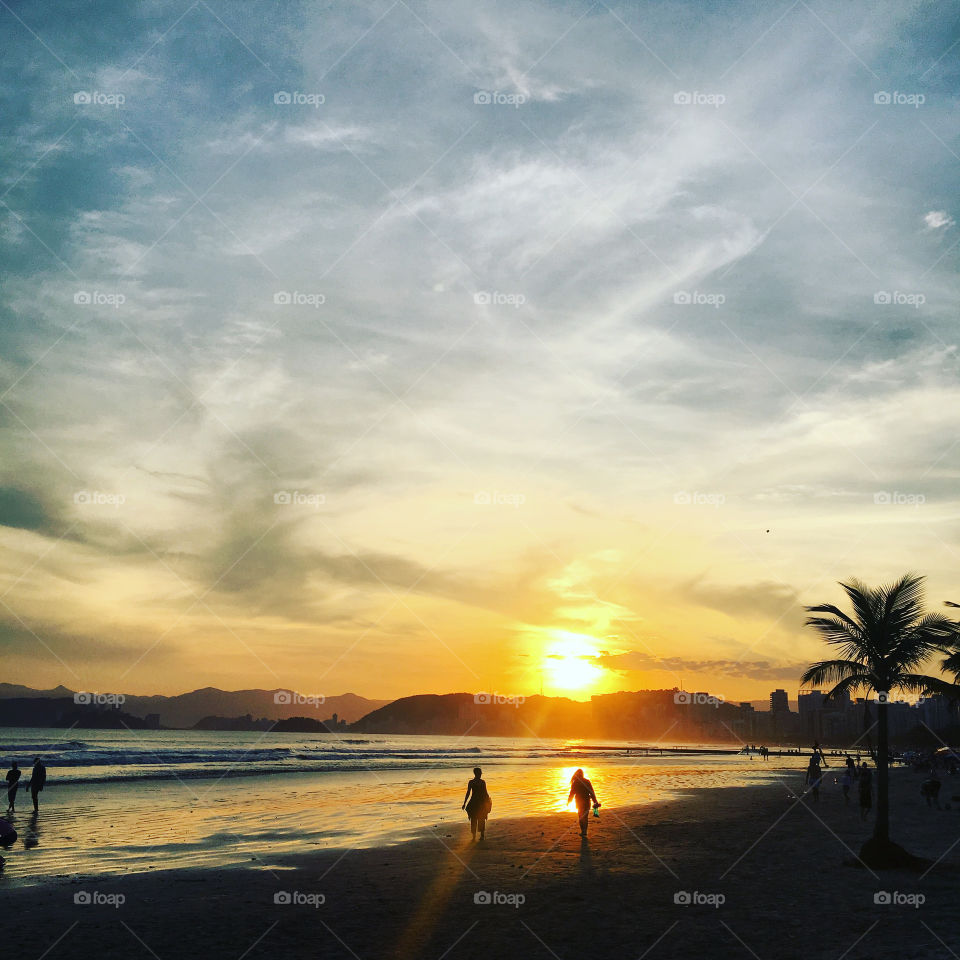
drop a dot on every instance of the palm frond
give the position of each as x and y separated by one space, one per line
830 671
951 664
853 627
864 602
853 682
918 683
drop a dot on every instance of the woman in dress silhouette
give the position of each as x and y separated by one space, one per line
582 789
477 803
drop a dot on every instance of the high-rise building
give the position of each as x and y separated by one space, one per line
779 703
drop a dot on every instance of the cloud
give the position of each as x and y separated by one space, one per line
759 670
676 297
937 220
771 601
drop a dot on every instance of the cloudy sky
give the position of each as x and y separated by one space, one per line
427 346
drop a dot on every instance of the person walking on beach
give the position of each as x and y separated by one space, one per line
13 783
477 803
930 791
846 782
866 790
38 777
814 776
582 789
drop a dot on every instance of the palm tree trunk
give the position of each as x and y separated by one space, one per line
881 828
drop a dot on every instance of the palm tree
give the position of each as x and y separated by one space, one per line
881 646
951 663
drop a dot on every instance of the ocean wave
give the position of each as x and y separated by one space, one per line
194 773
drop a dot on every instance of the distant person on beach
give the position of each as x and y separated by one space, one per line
814 776
13 783
477 803
38 777
582 789
930 791
846 782
866 790
849 777
818 752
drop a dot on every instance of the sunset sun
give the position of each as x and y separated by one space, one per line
569 661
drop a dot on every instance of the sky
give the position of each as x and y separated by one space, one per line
408 347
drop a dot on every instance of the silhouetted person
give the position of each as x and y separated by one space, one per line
582 789
477 803
38 777
866 790
814 775
930 791
13 784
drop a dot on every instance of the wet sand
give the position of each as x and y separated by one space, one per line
132 826
768 875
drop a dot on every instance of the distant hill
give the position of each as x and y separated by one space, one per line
652 716
9 691
299 725
456 714
186 709
64 712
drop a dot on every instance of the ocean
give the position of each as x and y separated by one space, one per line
145 800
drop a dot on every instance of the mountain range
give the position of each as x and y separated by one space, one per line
185 709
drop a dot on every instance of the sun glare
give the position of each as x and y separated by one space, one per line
568 661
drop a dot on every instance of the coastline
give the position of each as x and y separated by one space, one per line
786 869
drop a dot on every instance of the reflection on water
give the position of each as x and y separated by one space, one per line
91 828
31 837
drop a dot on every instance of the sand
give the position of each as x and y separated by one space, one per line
769 877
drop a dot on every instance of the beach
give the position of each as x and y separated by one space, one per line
126 802
729 871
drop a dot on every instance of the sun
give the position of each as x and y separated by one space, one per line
569 661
